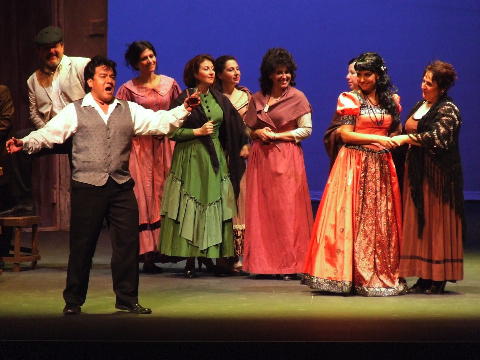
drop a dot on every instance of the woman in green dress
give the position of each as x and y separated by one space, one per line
199 200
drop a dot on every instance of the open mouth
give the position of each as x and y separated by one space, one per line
109 89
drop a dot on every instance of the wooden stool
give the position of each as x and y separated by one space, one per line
22 254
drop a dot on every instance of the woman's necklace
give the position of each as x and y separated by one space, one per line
371 107
275 100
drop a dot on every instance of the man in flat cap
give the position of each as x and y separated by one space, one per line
57 82
59 79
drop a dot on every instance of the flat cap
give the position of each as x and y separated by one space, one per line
49 35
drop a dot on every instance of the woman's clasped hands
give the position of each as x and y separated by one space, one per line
265 134
391 142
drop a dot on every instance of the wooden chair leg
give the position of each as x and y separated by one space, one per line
16 248
35 250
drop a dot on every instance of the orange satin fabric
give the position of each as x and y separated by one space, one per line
357 231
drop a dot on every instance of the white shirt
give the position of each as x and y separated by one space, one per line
304 129
65 123
56 93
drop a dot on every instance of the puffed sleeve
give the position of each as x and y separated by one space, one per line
124 94
396 100
175 91
181 134
348 108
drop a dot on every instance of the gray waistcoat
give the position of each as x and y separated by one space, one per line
101 150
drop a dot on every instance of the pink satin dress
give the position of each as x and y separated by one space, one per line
355 240
278 206
150 159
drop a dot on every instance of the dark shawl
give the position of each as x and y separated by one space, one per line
332 140
438 134
231 134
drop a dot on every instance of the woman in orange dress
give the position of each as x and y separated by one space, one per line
433 186
355 242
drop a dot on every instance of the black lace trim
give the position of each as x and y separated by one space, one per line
430 261
150 227
365 149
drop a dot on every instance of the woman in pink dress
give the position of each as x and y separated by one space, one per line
278 207
356 236
151 156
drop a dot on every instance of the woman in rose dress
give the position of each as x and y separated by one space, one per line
355 240
278 207
151 156
227 74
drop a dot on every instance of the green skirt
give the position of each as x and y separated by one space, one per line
198 204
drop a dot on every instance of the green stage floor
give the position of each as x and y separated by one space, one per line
238 308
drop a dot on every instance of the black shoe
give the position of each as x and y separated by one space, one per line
437 288
288 277
151 268
134 308
264 277
70 309
189 271
422 286
209 265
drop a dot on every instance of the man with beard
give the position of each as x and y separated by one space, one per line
57 82
59 79
101 128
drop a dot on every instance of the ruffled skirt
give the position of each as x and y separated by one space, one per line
198 204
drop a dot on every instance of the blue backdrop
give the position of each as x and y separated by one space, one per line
322 35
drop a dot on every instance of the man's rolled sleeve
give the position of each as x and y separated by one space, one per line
162 122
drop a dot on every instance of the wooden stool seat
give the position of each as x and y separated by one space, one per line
21 254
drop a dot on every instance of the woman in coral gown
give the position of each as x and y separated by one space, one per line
355 240
151 156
